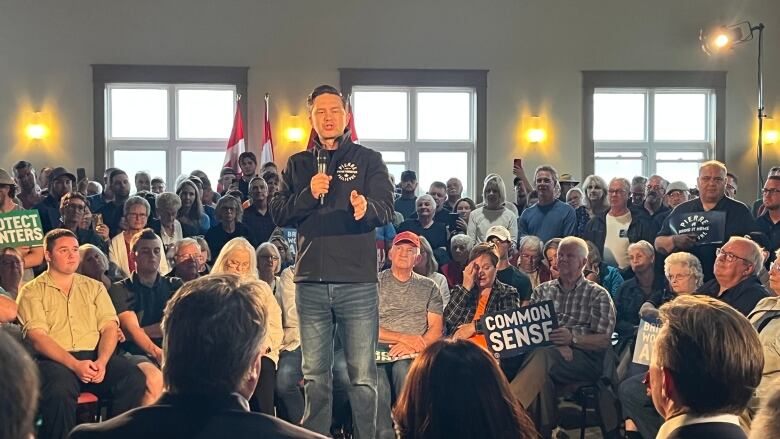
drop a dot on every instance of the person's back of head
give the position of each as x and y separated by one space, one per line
767 423
213 328
712 354
454 389
18 389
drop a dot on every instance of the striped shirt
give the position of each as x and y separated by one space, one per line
585 309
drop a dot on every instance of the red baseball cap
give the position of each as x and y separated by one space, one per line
408 237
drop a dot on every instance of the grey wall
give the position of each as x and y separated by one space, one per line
534 50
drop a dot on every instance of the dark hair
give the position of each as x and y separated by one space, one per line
266 164
484 248
20 384
247 155
227 317
439 185
270 175
50 239
22 164
193 215
408 175
454 389
467 200
324 90
774 177
65 198
114 173
156 180
734 177
145 234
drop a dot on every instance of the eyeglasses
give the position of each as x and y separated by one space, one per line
616 191
656 187
189 256
137 215
271 257
770 192
678 277
730 257
236 265
76 207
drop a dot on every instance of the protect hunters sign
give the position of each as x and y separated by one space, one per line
20 228
516 331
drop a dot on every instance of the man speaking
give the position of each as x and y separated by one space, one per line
336 195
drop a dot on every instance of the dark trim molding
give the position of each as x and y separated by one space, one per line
103 74
592 79
476 79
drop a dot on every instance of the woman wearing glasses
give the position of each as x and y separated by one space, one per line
229 214
134 218
238 257
684 275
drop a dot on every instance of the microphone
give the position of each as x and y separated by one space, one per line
322 167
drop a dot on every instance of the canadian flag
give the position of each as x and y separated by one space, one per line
267 148
235 145
310 145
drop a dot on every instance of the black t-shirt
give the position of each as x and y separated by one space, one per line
436 234
516 278
743 296
217 237
406 206
739 222
260 226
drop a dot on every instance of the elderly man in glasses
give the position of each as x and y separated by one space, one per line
736 282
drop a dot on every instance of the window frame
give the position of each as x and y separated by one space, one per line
425 80
173 77
652 82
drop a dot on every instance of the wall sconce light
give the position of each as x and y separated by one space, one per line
770 135
535 130
294 132
36 129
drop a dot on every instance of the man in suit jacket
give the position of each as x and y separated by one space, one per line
705 363
210 369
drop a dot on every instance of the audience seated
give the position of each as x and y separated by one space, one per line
139 301
550 217
551 256
738 221
20 384
499 236
765 317
438 191
186 260
767 423
531 260
73 206
684 276
735 281
460 247
410 318
699 387
256 216
598 271
229 214
95 265
11 271
169 229
72 326
634 292
586 319
425 224
495 211
454 390
207 383
191 212
426 265
134 219
238 257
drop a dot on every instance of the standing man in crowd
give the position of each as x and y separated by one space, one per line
72 326
256 216
60 183
454 193
732 183
676 194
113 211
247 161
758 205
637 195
654 205
24 175
769 221
143 181
405 204
712 197
550 217
336 213
96 202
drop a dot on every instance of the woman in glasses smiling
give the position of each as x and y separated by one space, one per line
136 214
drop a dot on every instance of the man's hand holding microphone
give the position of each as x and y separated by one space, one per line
320 184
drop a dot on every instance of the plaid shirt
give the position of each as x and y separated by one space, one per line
585 309
463 304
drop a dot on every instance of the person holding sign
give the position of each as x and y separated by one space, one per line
32 255
586 318
410 318
704 229
479 293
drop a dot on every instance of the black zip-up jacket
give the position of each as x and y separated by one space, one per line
332 246
642 227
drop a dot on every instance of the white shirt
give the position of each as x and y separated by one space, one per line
616 242
687 419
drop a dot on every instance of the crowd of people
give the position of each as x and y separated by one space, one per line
347 305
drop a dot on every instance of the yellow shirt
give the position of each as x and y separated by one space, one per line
74 321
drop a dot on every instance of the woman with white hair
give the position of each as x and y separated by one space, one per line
94 264
425 225
493 213
684 274
238 257
426 266
531 260
169 229
460 248
637 290
136 214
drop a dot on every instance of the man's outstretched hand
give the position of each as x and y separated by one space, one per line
359 204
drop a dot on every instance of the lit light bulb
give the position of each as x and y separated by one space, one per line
36 131
294 134
536 135
770 137
721 40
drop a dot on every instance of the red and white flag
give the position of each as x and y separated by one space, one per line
310 145
267 148
235 145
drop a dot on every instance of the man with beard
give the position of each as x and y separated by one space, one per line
256 215
637 195
113 211
550 217
676 194
248 163
654 199
405 205
96 202
768 223
454 193
60 183
24 175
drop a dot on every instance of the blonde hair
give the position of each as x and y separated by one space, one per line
236 244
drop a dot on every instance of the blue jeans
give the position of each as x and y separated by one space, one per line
354 309
288 375
392 377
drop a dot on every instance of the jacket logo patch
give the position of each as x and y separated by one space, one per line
347 171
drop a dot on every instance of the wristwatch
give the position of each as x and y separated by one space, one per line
573 340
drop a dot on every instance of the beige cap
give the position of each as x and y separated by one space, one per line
5 178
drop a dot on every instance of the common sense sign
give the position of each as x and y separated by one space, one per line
516 331
20 228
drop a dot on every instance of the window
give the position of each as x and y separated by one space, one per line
428 129
168 129
652 131
652 122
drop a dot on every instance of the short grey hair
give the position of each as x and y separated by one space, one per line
229 199
575 189
83 249
643 246
548 168
274 250
578 242
689 261
624 181
531 242
424 197
464 240
755 257
136 200
168 201
183 243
